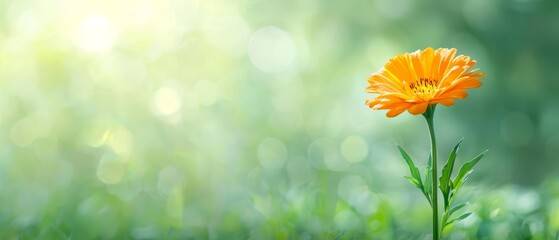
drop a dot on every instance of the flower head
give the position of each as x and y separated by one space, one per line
412 81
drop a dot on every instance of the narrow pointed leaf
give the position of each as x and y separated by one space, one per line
415 175
444 180
448 214
413 181
465 171
465 215
456 208
413 169
448 167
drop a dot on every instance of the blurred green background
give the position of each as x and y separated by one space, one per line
245 119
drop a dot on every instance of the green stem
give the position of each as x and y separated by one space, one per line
429 113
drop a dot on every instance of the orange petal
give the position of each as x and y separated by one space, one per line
415 59
459 94
466 81
447 55
457 67
399 68
427 62
384 79
436 62
405 65
453 73
390 105
371 102
469 83
418 108
445 101
395 112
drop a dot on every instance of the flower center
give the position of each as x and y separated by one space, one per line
424 85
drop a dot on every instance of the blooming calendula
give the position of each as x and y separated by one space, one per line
412 81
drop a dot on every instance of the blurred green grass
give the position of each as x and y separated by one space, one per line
246 119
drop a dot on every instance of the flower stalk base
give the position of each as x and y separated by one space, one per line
429 114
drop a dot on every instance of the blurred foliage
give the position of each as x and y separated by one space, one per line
236 119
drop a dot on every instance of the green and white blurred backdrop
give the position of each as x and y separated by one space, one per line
245 119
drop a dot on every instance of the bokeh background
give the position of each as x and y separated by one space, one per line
245 119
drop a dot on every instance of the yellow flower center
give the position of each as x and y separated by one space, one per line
424 86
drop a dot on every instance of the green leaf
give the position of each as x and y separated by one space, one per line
456 208
444 180
448 167
413 169
415 178
465 215
465 171
414 181
448 214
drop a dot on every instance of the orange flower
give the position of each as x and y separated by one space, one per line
412 81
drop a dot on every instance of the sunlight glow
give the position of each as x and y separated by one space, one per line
120 140
95 34
166 101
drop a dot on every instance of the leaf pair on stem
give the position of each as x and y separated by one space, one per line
448 187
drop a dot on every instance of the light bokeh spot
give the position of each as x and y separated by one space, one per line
120 140
95 34
272 50
110 169
525 201
354 149
166 101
